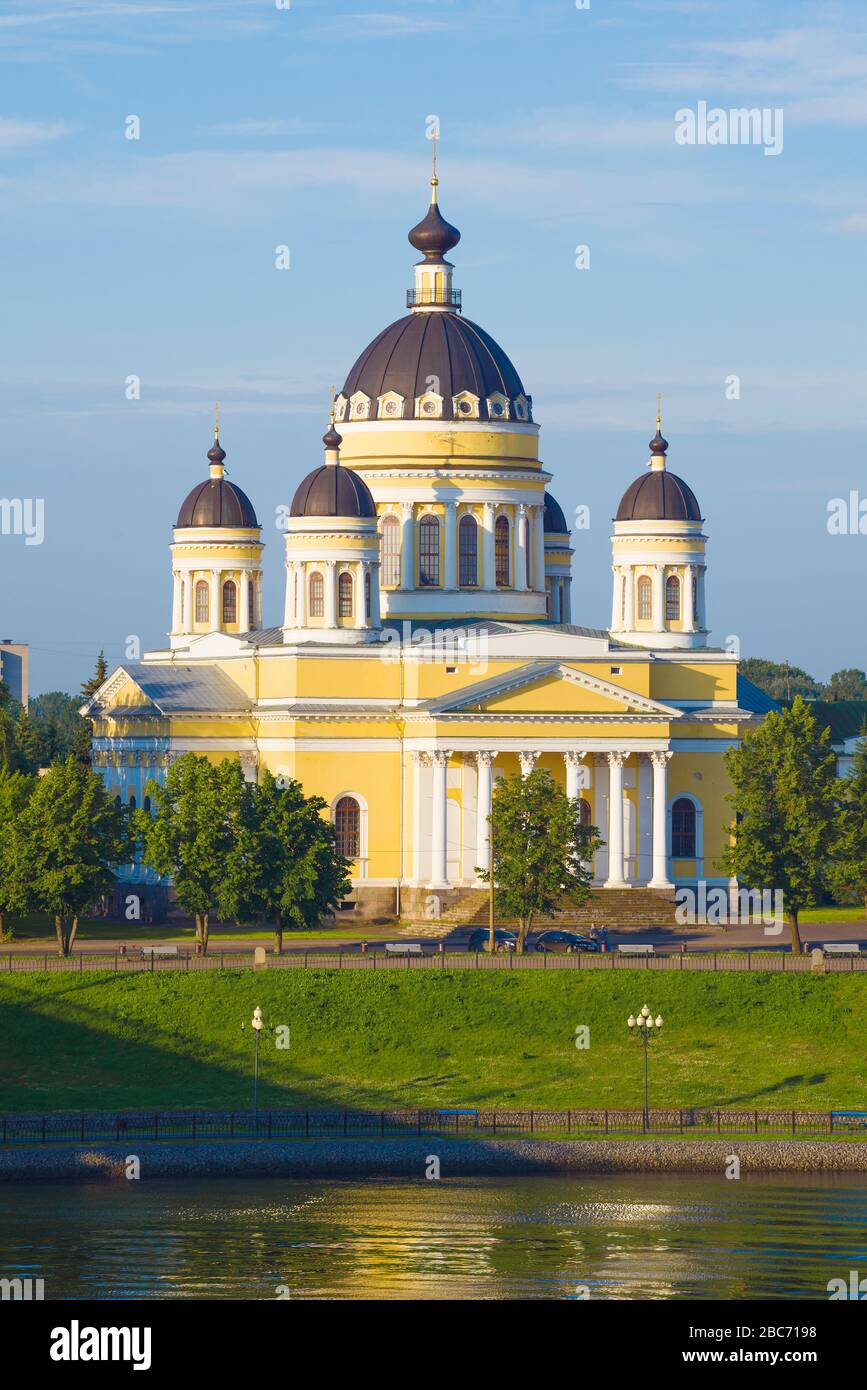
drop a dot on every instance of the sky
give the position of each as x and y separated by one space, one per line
730 279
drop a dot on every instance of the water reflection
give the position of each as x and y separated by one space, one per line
624 1236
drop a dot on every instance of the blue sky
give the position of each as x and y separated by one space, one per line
306 126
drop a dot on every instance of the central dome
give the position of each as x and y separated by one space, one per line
457 354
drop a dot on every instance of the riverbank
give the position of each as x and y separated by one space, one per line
411 1158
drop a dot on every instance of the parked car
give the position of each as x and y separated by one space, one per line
564 943
503 940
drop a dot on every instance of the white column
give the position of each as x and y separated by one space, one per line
485 766
488 564
574 764
375 615
188 615
556 595
539 550
330 593
360 604
701 615
300 594
644 848
528 762
660 877
688 612
521 549
659 598
615 821
289 614
407 546
418 765
244 610
616 610
215 615
629 609
567 600
176 601
451 553
439 827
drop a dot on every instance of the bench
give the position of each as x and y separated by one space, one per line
636 950
403 948
852 1119
841 948
159 950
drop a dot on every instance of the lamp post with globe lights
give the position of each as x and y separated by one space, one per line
643 1025
257 1023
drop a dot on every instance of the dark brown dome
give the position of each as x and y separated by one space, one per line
332 490
434 236
462 356
554 518
659 496
217 502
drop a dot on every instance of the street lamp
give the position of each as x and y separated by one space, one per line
257 1023
644 1025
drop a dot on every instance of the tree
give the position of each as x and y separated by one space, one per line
292 872
15 791
784 797
541 850
192 835
90 686
31 747
849 684
61 726
848 873
780 680
72 834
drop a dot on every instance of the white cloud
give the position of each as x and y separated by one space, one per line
19 135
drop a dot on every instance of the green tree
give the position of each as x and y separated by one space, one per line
65 732
32 750
542 853
7 727
780 680
15 791
192 837
72 834
848 874
90 686
849 684
292 873
784 798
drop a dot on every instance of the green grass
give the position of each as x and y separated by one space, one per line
37 928
831 914
95 1040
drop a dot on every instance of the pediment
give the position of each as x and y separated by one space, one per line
552 688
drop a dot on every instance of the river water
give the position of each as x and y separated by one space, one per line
624 1236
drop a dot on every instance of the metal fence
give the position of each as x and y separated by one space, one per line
774 961
132 1126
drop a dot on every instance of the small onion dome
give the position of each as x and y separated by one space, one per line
554 518
217 453
659 496
217 502
332 440
658 445
331 490
434 236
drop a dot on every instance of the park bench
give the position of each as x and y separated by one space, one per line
159 950
849 1119
841 948
403 948
636 950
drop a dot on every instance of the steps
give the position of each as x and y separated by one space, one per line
629 909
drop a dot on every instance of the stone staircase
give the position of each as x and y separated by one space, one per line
627 909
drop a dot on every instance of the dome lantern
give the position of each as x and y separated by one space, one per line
433 236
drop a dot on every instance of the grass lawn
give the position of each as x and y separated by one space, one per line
95 1040
38 929
831 914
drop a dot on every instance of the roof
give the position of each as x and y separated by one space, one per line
175 688
332 490
216 502
659 496
554 517
751 697
844 718
458 353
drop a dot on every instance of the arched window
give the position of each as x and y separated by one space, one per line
251 599
368 609
146 804
672 599
230 602
347 821
645 597
429 551
501 552
317 595
390 552
468 552
132 803
683 829
203 603
584 809
344 595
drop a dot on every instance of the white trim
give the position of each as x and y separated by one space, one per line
699 830
362 860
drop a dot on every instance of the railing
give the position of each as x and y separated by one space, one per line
449 298
84 1127
778 962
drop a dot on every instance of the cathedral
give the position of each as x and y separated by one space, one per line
428 642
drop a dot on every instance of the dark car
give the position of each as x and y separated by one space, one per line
565 943
503 940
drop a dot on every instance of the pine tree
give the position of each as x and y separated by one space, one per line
542 852
849 864
784 797
31 747
91 686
